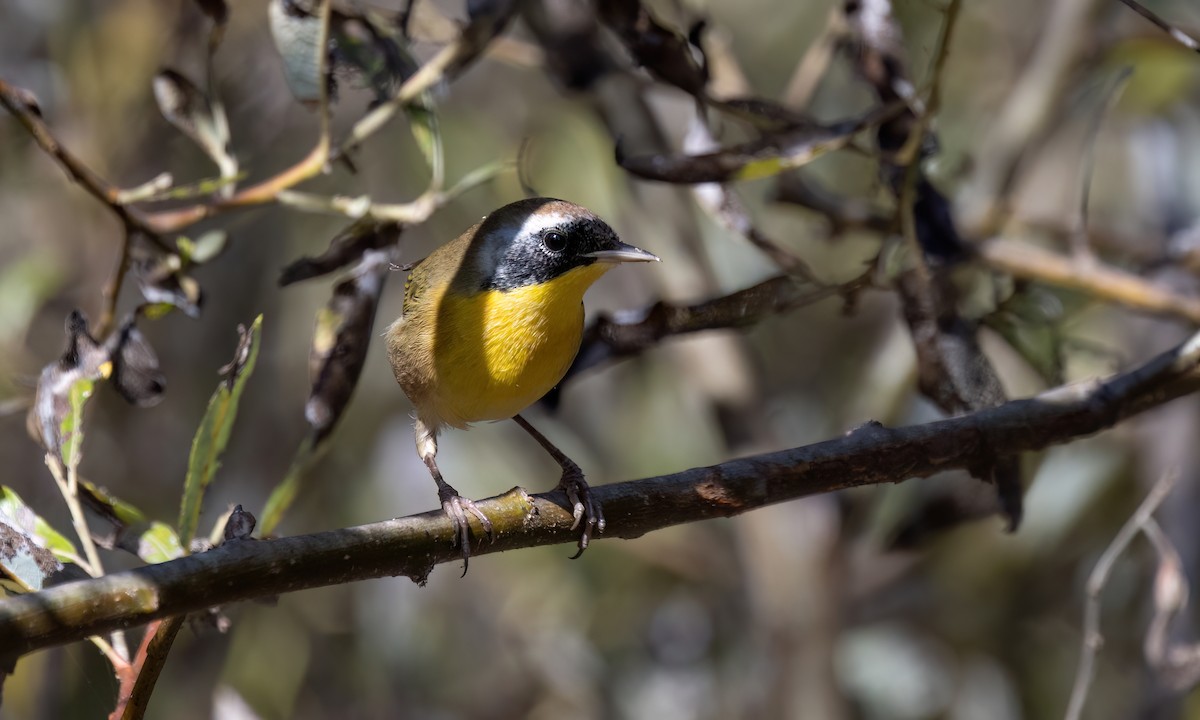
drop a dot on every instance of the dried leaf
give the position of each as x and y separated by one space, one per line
1028 322
767 156
136 375
348 246
954 373
187 108
667 54
23 561
215 428
21 517
301 33
59 391
371 44
341 339
162 280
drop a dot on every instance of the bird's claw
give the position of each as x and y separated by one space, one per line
456 507
584 508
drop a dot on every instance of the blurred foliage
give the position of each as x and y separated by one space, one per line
795 611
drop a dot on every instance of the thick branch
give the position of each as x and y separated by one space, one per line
411 546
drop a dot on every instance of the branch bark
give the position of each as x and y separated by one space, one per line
411 546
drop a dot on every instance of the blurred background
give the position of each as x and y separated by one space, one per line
804 610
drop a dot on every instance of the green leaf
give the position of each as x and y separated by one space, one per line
288 489
111 507
14 511
214 431
159 543
208 246
423 122
71 428
155 311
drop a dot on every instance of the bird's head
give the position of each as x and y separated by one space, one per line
535 241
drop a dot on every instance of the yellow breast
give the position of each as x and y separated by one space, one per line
497 352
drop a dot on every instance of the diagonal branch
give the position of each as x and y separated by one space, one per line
21 104
411 546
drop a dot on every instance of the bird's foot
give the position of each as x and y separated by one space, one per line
584 507
456 508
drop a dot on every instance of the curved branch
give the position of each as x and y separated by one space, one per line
869 455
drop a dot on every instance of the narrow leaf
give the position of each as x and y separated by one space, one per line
111 508
71 427
187 108
423 122
300 29
214 431
341 340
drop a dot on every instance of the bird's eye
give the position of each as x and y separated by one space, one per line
554 241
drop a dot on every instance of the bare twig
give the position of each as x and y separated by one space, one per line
1028 261
411 546
136 685
1079 234
1176 34
1092 639
1030 108
1178 663
20 103
812 67
1020 258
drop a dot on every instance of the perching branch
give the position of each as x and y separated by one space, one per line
411 546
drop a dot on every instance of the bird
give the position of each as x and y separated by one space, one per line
491 322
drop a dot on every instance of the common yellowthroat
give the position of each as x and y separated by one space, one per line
491 321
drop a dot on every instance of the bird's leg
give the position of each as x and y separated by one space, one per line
585 508
454 506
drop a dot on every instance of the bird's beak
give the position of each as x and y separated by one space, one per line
623 253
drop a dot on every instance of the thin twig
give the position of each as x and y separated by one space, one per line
1030 262
1092 638
1176 34
69 488
138 683
1079 233
18 102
